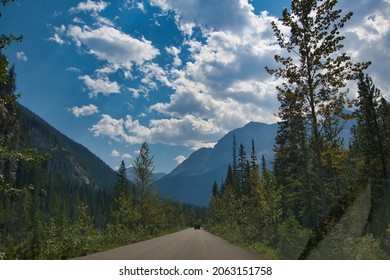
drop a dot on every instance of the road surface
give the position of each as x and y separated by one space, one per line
188 244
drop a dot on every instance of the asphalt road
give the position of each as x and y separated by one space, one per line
188 244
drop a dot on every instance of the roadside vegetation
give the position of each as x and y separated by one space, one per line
325 198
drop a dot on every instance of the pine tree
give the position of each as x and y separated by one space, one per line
235 166
143 169
243 172
371 146
315 77
122 185
253 155
215 190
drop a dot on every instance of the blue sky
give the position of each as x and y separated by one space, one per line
179 74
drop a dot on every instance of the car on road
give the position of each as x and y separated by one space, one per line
197 226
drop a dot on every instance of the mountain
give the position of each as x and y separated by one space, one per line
191 181
70 163
156 176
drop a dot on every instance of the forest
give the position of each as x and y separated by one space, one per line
324 197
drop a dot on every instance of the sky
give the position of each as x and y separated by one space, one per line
178 74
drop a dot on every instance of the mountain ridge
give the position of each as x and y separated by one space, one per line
191 181
70 161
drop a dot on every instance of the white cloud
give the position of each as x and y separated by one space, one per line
115 153
89 6
108 126
175 53
84 110
180 159
368 37
73 69
210 14
78 20
188 131
100 85
103 21
135 4
21 56
127 156
56 38
225 81
223 85
114 46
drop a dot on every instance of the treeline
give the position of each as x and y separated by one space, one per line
47 213
325 198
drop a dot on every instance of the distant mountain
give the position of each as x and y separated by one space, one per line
192 180
70 163
156 176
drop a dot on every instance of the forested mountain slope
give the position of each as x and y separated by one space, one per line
69 161
192 180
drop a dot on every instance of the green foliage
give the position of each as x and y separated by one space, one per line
371 147
313 93
323 200
293 238
247 208
349 248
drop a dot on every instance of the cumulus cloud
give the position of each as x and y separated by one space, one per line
222 86
180 159
135 4
216 78
21 56
56 38
59 31
115 153
225 80
368 37
108 126
84 110
174 51
127 156
100 85
114 46
188 131
210 14
89 6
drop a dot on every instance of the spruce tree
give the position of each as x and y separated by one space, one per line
123 184
371 147
143 169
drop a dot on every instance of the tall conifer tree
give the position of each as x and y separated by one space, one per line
315 75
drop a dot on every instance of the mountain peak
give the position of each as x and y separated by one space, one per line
191 181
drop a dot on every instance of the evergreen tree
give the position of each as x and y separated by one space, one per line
215 191
372 148
315 80
253 155
143 169
235 165
242 172
123 184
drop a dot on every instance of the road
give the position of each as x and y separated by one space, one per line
188 244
